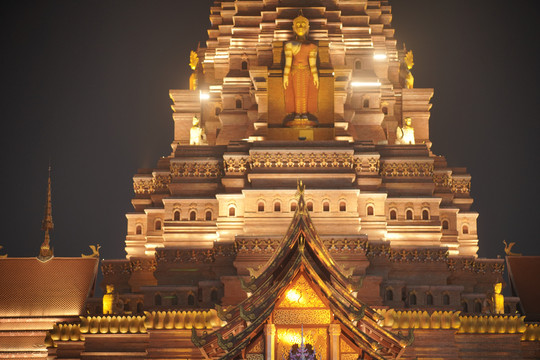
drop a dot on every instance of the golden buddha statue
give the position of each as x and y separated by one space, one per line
193 62
405 134
196 133
498 299
300 76
409 63
109 300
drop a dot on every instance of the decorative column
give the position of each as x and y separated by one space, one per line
270 346
334 330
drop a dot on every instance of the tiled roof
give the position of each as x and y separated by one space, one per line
58 287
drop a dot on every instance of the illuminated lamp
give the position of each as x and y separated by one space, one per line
204 95
365 84
379 56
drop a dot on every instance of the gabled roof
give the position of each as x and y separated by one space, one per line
301 253
58 287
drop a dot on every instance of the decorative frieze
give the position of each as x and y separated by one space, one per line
407 255
234 164
146 265
407 169
149 184
199 256
478 266
367 164
334 245
301 160
143 185
115 268
206 169
442 179
461 185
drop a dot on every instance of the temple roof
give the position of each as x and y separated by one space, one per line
58 287
301 255
523 272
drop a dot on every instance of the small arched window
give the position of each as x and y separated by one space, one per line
244 65
157 225
126 306
208 215
309 206
342 206
425 214
260 206
409 214
238 103
199 294
370 210
174 300
365 103
293 206
232 211
389 295
445 224
214 295
157 300
192 215
326 206
191 300
358 65
412 299
138 229
384 110
465 229
139 307
217 111
464 307
277 206
393 214
429 299
176 215
446 299
477 306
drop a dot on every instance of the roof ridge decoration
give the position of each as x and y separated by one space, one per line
300 254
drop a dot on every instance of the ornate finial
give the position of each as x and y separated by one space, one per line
45 251
3 256
508 249
300 187
95 251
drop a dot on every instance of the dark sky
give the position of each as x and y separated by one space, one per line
85 84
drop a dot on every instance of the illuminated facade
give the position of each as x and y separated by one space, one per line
228 257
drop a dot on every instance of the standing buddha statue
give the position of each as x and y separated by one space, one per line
300 76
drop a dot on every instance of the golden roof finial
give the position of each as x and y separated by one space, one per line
300 188
45 251
508 249
95 251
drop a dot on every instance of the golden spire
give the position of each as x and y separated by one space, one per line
45 251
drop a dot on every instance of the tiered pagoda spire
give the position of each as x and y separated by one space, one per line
47 225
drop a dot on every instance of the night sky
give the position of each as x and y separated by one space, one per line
85 84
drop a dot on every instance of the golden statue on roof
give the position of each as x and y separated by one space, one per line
95 251
193 62
407 64
300 76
